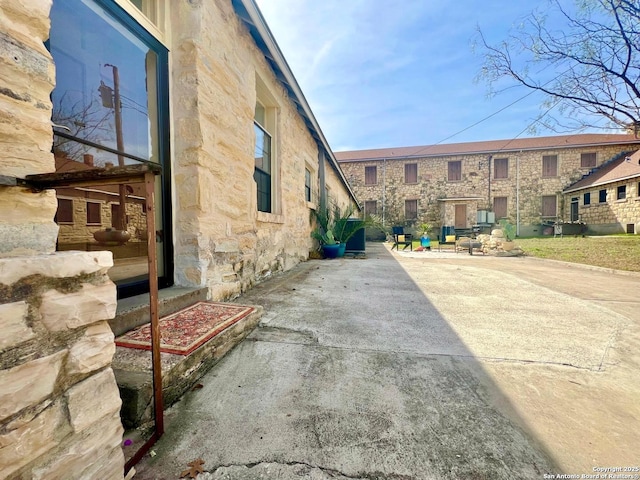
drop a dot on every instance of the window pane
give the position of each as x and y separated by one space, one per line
371 207
501 168
370 175
500 207
411 173
107 94
455 171
550 166
93 213
307 185
588 160
587 199
263 149
65 211
104 75
622 192
549 206
602 196
411 209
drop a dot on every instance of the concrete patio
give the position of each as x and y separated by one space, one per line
420 365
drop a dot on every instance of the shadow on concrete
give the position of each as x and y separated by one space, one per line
354 372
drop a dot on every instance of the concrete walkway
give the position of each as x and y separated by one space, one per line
420 366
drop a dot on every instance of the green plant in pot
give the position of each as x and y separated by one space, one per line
509 230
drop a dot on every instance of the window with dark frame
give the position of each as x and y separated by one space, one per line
586 198
411 173
549 206
64 214
93 214
370 207
602 196
549 165
411 209
587 160
500 207
307 185
454 171
501 168
371 175
621 192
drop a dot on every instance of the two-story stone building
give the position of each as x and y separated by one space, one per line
521 180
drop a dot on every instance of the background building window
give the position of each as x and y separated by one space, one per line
622 192
588 160
410 209
586 198
370 175
307 185
500 207
602 196
93 214
549 206
501 168
65 211
411 173
550 166
454 170
370 207
574 209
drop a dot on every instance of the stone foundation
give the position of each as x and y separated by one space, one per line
59 402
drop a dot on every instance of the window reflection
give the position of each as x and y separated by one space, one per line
106 114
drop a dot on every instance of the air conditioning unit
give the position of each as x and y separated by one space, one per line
491 217
482 216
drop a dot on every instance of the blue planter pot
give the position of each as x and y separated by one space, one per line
342 249
425 241
331 251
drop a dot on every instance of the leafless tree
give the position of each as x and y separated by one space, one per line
589 66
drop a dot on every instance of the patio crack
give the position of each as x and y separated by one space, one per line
304 470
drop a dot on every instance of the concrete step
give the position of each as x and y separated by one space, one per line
133 368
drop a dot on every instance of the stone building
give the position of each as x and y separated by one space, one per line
463 184
608 197
197 88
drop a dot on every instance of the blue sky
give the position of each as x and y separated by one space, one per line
386 73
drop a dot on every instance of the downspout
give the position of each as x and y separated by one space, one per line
322 181
518 195
489 206
384 188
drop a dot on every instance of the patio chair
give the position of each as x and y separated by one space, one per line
401 238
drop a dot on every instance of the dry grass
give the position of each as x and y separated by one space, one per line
621 252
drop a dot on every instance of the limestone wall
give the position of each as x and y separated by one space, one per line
524 180
221 240
59 403
26 81
611 216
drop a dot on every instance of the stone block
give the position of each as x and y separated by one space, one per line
96 453
14 326
27 239
21 444
18 203
56 265
92 303
92 399
28 384
93 351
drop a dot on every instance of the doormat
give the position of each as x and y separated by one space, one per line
184 331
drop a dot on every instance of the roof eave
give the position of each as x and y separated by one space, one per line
599 184
250 14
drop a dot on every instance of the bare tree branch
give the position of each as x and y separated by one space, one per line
594 60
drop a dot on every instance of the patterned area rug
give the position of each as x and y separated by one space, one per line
184 331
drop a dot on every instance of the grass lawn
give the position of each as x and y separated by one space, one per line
621 252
